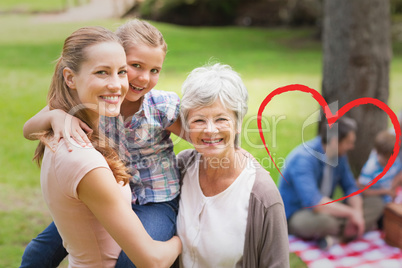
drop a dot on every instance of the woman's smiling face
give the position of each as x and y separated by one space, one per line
101 83
212 130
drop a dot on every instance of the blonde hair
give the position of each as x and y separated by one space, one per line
60 96
136 31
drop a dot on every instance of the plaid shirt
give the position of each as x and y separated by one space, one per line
146 147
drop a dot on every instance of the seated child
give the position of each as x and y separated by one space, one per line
386 186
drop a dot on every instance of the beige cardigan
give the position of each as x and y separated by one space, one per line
266 243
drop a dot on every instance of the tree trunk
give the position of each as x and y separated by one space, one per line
356 61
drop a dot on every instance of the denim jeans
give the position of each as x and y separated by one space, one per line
46 250
159 219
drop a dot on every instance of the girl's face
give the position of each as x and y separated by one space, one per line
212 130
144 65
101 83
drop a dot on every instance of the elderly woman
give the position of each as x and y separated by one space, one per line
231 213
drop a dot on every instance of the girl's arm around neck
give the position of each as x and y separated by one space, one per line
62 124
100 192
177 129
38 123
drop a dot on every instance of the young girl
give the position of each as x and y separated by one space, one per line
86 190
142 134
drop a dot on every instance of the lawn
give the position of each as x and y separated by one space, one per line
266 59
24 6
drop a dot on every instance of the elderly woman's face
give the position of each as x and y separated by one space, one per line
212 129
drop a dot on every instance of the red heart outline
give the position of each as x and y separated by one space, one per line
332 118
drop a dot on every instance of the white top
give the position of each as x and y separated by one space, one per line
212 229
88 243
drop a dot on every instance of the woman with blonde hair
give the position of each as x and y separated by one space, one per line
142 136
87 190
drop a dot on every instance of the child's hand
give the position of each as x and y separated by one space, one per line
396 183
397 180
67 126
391 192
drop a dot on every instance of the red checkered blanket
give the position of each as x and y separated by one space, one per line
370 251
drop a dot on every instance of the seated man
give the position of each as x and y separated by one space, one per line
312 172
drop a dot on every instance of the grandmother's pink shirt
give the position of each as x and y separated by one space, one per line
88 243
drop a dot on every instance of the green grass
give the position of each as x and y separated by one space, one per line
266 59
31 6
24 6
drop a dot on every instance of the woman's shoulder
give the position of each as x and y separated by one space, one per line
264 189
68 168
79 156
185 159
186 153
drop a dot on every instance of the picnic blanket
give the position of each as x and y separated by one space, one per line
370 251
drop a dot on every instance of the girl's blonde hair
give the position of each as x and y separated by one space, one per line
60 96
136 31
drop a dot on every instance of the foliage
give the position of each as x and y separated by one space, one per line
396 6
242 12
190 12
396 12
229 12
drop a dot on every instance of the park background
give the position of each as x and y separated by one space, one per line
267 56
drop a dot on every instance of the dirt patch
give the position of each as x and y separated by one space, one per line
94 10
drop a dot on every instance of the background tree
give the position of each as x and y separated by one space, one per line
356 62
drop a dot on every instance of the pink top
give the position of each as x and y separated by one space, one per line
88 243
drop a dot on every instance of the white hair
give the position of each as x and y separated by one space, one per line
204 85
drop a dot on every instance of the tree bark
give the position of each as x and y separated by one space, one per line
356 60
